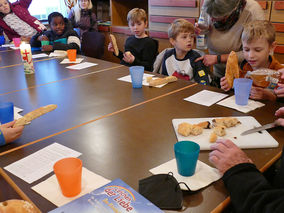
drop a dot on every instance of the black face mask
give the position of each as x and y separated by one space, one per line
163 190
226 24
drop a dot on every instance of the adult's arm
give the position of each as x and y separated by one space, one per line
250 191
25 3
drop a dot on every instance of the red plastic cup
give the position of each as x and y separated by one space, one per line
69 175
17 42
72 54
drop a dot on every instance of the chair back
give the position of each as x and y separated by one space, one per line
93 44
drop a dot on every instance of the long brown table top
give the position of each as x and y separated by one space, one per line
127 144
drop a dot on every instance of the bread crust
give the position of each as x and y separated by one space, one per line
160 81
26 119
114 44
232 68
19 206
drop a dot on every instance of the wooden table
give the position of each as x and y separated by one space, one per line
122 132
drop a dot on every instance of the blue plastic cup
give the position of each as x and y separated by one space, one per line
186 153
242 87
136 73
2 40
6 112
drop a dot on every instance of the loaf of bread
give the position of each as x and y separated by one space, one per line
34 114
227 122
19 206
220 130
232 68
196 130
114 44
160 81
184 129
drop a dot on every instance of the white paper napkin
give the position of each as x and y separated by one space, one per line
206 97
231 103
144 82
58 53
50 188
81 66
66 61
41 55
14 48
203 176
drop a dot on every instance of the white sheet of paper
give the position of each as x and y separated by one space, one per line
144 82
40 163
82 66
50 188
41 55
66 61
17 109
14 48
8 45
206 97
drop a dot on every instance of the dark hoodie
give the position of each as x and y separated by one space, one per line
68 40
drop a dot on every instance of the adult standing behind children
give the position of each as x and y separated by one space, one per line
226 19
139 48
180 60
258 40
16 21
82 18
60 37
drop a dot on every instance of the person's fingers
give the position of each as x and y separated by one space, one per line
199 59
280 112
226 142
220 147
280 122
7 125
214 159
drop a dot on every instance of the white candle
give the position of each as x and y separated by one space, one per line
26 52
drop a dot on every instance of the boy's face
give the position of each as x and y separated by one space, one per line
183 42
4 7
138 27
257 52
57 25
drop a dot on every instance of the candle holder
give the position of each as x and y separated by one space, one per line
26 54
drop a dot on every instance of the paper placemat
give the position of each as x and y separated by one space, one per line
206 97
144 82
82 66
204 174
231 103
50 188
67 61
41 55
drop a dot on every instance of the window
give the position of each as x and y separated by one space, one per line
42 8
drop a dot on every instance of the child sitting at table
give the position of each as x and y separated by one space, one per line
180 60
60 37
258 40
139 48
16 21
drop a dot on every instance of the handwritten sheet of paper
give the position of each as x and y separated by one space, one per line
206 97
66 61
40 163
41 55
81 66
144 82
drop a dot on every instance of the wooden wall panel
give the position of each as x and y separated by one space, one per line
173 3
277 12
174 11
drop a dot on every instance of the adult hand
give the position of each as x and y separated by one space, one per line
224 84
197 30
47 48
258 93
279 91
280 113
208 60
110 47
225 155
128 57
10 133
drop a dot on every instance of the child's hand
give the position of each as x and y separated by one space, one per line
47 48
110 47
224 84
128 57
10 133
280 112
43 38
258 93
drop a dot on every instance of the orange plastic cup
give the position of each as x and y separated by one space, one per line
72 54
69 175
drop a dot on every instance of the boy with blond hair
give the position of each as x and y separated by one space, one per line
258 39
180 60
139 49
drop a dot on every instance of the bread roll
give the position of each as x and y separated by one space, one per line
213 137
232 68
220 130
196 130
114 44
17 206
204 125
184 129
227 122
160 81
34 114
